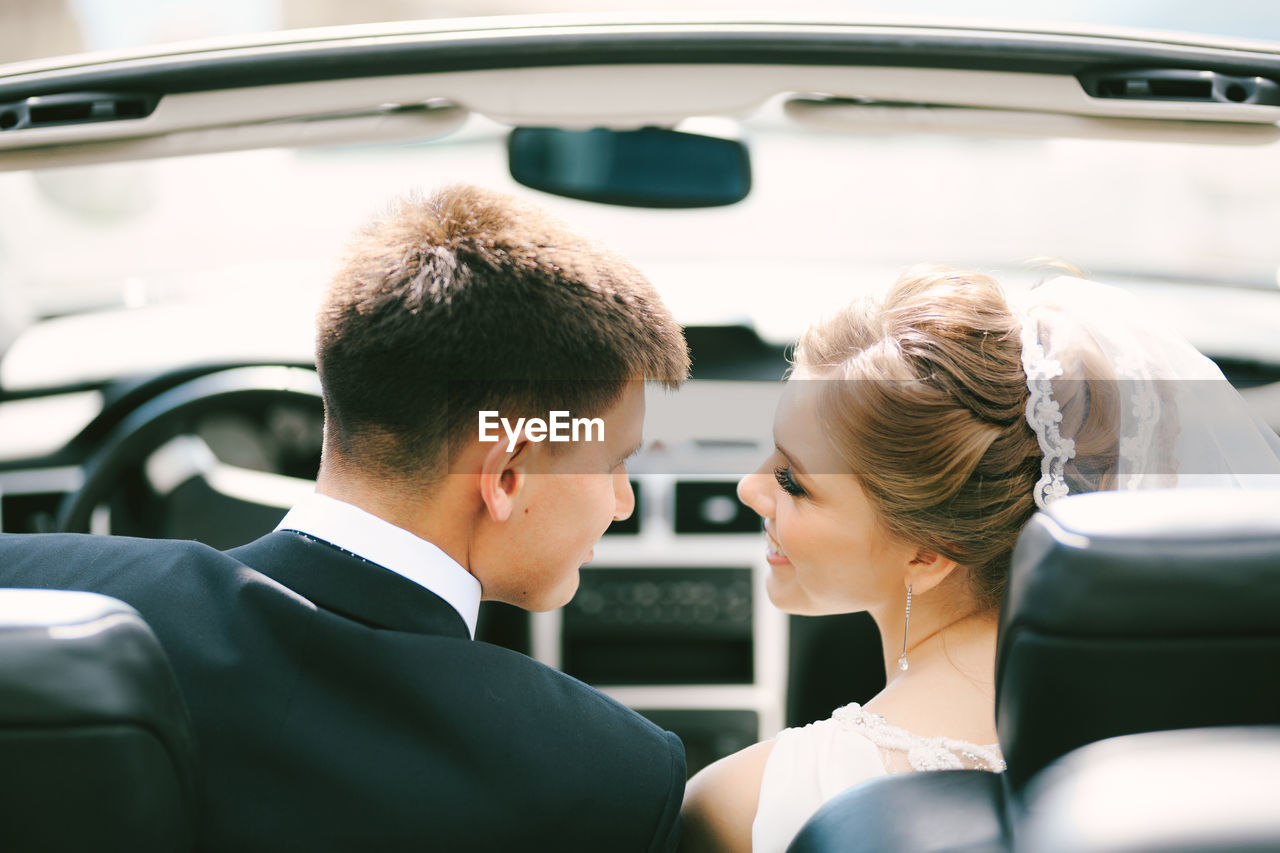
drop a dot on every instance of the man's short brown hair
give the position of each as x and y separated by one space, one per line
466 300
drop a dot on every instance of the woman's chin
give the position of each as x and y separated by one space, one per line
789 597
782 590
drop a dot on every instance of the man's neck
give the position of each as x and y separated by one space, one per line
434 517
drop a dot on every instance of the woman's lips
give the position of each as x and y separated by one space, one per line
773 551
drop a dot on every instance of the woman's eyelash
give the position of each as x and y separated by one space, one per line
787 482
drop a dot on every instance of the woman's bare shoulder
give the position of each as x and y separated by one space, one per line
720 802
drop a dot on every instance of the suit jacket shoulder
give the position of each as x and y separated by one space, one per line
339 706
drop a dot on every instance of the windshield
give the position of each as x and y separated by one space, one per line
830 215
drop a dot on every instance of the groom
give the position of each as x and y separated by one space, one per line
336 692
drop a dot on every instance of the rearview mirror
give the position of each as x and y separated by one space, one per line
649 167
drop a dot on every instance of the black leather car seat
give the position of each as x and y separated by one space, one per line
95 747
1126 612
1139 611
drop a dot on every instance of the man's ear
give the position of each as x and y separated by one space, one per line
927 569
502 478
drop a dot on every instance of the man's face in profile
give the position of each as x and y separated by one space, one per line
573 495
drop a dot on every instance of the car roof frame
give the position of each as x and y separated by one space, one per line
353 83
350 52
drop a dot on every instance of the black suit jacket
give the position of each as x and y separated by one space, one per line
340 706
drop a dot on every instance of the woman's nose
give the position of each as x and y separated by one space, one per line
754 492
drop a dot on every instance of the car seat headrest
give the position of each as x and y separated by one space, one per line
1177 792
94 735
1138 611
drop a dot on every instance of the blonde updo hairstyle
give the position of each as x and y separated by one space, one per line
930 416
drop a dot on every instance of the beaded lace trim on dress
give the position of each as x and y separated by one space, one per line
923 753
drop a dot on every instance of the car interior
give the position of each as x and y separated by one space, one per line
171 213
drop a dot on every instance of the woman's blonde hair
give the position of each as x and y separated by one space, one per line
925 402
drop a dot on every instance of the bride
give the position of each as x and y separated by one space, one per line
915 438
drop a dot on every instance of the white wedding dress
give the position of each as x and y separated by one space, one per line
810 765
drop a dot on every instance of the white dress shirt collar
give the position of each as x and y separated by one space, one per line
379 541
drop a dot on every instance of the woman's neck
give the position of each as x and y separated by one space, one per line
936 621
949 686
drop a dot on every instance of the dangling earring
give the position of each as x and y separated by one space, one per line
902 659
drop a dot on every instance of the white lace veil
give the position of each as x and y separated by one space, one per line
1118 402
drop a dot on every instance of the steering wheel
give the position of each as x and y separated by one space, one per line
158 441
